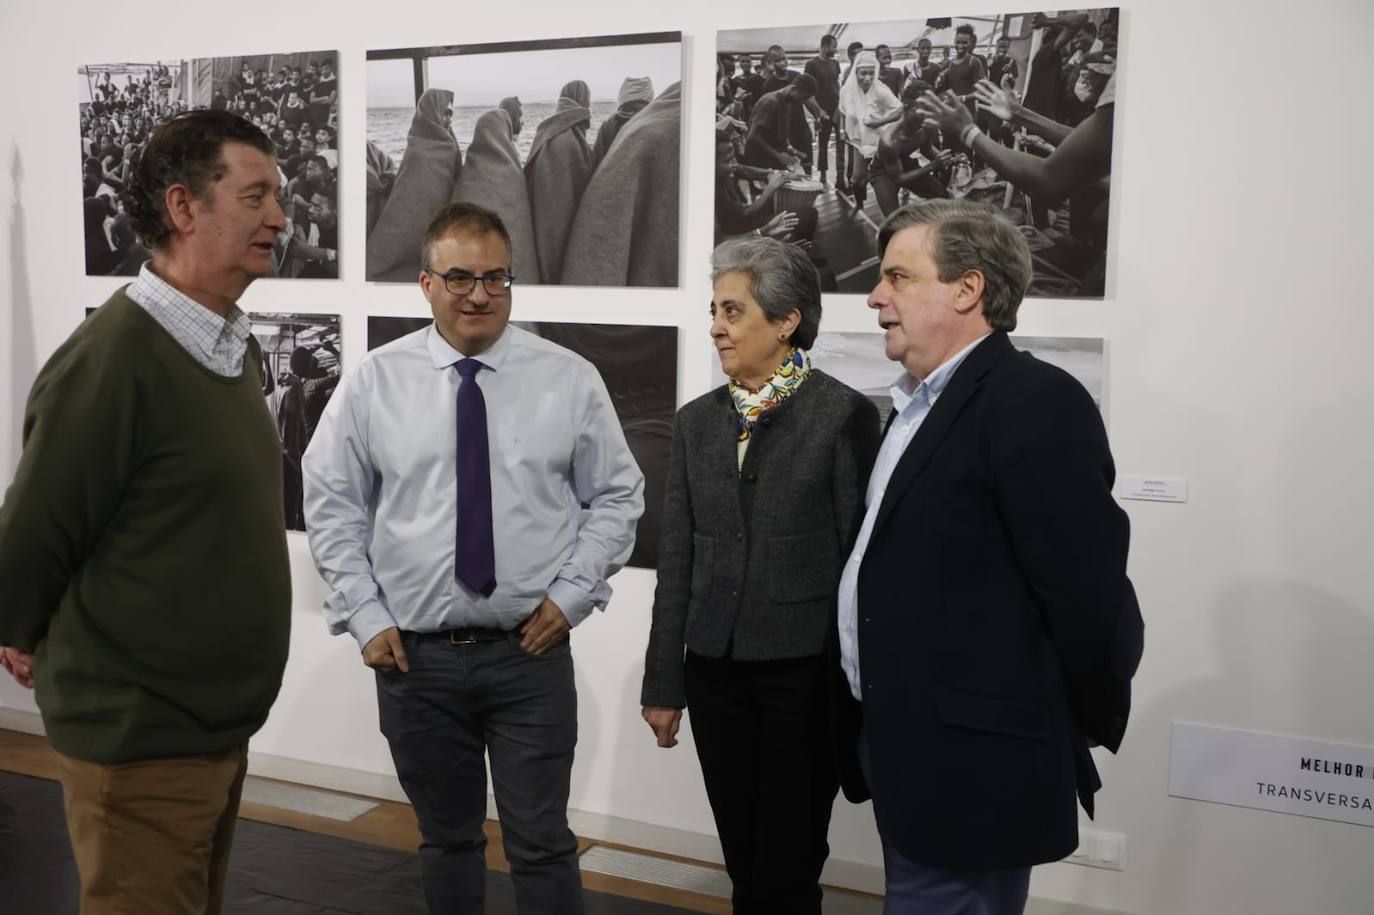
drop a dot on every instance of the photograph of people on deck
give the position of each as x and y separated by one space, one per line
638 364
293 98
821 131
301 369
575 142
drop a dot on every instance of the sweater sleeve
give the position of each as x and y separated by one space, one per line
80 447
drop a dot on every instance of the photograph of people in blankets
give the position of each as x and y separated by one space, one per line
294 99
822 131
574 142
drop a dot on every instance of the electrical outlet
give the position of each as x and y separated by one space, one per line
1099 848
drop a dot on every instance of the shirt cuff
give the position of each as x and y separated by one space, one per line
575 603
369 620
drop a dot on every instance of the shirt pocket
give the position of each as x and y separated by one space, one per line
802 567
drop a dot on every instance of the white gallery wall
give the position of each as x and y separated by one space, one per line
1238 320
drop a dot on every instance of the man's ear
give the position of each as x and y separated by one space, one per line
969 292
178 202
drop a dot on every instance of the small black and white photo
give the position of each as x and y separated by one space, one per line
574 142
292 97
824 130
638 364
301 356
858 359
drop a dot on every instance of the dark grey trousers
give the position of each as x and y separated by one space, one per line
456 702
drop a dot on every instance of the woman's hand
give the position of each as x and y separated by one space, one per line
664 722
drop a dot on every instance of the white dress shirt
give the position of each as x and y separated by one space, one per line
380 487
911 401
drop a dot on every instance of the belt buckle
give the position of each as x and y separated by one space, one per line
454 640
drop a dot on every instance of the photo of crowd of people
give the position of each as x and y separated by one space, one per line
638 364
821 131
575 142
301 369
294 99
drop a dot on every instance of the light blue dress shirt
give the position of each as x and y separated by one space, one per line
911 401
380 487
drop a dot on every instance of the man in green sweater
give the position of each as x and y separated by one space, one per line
143 561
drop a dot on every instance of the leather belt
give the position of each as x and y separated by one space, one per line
469 635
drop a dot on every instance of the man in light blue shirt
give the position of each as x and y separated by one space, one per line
467 494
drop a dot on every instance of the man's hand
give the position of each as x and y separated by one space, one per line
19 664
384 652
543 628
780 226
948 113
997 100
776 179
664 722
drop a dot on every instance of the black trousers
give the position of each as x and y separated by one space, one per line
823 135
762 735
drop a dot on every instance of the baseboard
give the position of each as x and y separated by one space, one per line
23 722
848 875
322 775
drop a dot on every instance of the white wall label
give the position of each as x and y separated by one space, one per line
1314 778
1153 489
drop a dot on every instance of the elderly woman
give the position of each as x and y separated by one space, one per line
763 482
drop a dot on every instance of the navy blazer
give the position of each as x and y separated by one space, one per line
997 629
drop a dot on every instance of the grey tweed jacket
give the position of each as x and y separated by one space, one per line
749 557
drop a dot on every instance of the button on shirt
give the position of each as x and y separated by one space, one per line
911 401
216 343
380 487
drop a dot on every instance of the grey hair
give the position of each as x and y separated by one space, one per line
781 278
971 236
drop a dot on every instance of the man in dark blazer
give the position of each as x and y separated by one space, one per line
987 631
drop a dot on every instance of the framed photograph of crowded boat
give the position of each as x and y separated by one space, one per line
574 141
293 97
823 130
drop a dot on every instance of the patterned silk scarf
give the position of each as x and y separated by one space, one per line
795 369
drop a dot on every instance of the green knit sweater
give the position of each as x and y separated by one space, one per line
142 548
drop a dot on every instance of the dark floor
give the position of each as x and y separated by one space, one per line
273 870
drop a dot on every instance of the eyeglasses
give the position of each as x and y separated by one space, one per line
460 283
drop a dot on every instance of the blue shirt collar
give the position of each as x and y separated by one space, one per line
443 355
907 389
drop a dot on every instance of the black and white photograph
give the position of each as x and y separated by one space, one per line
858 359
824 130
301 369
574 142
639 366
294 99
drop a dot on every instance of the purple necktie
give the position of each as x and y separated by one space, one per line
475 562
